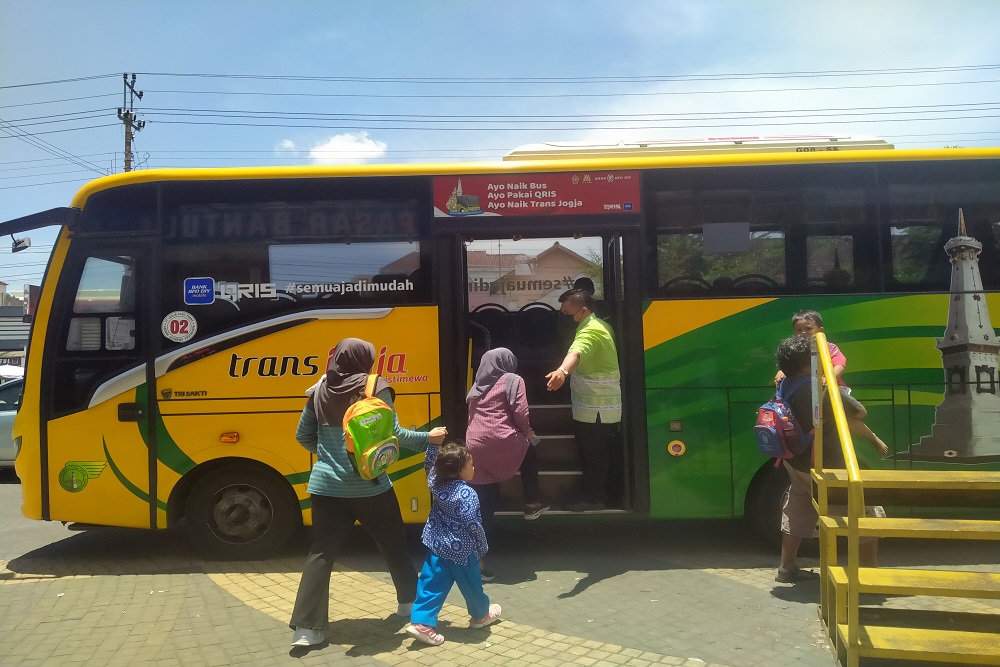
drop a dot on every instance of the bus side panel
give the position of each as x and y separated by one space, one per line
407 474
267 437
99 470
687 380
257 390
693 481
695 347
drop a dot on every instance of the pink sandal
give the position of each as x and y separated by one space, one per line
425 634
494 615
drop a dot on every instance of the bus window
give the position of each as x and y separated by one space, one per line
769 231
339 273
914 253
107 285
99 329
232 264
513 274
830 263
704 261
920 210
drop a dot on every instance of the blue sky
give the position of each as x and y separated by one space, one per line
471 80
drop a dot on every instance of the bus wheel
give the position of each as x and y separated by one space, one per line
764 501
239 513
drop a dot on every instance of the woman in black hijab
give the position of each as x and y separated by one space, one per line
340 496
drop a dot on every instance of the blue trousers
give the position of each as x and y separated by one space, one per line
436 578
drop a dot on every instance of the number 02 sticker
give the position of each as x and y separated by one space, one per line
179 326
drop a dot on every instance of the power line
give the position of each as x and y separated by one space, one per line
47 83
68 129
47 122
35 185
514 120
583 79
437 96
59 115
896 71
58 173
295 153
562 129
49 159
65 99
33 140
571 118
909 109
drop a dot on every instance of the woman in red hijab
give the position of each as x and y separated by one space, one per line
500 437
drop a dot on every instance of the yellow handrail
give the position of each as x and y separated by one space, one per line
822 366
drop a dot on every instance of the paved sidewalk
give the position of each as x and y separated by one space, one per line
575 590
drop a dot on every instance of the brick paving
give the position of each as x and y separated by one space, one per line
575 590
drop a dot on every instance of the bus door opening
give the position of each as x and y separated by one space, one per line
514 285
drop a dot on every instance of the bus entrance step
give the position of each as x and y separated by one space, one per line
554 487
555 418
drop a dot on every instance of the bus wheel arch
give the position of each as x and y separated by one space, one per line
236 509
764 499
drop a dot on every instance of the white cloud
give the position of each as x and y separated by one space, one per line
350 148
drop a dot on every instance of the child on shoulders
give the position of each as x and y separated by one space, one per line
455 541
807 323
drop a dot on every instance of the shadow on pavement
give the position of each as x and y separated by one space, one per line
597 547
100 551
804 592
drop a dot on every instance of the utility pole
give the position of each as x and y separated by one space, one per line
127 117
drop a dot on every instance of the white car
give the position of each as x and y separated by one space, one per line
10 399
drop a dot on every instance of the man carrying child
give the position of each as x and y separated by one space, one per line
798 515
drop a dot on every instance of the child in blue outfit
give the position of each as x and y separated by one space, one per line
455 541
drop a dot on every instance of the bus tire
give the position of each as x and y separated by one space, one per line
764 501
241 513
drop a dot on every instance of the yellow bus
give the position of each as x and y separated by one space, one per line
184 312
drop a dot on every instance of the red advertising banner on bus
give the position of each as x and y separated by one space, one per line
569 193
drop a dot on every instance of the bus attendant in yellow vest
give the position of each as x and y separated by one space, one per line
595 389
340 496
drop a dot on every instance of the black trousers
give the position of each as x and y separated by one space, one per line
489 494
333 519
593 444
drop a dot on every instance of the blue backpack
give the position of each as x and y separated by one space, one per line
778 434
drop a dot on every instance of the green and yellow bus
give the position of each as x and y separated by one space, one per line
184 312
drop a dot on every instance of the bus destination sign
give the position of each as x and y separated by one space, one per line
569 193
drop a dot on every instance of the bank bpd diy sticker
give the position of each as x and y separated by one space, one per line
179 326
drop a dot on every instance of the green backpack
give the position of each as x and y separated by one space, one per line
368 431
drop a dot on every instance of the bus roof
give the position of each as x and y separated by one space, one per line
701 146
567 157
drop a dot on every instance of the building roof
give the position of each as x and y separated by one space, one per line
481 259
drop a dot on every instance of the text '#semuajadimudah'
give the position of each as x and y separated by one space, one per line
360 286
518 285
